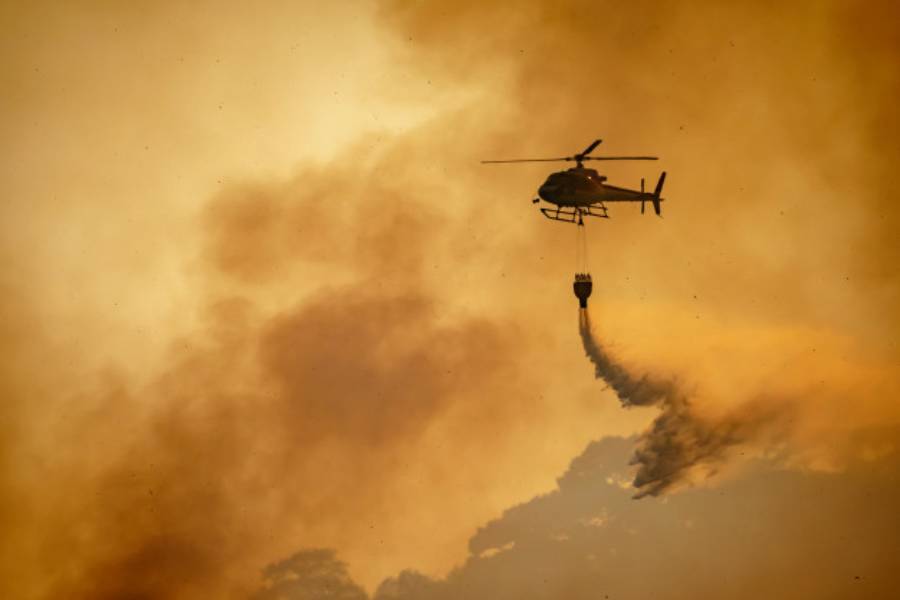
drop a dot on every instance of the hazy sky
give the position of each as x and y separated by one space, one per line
260 297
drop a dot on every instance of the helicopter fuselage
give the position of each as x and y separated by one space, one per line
580 186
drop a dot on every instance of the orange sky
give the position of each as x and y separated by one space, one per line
261 297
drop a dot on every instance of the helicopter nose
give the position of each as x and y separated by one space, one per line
547 192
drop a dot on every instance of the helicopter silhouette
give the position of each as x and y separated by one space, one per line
581 192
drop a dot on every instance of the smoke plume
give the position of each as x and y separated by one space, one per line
260 295
679 438
586 540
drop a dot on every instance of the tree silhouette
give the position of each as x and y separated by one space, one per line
309 575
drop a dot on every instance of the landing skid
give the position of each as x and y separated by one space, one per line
575 214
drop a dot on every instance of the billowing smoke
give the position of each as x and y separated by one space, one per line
679 437
336 355
586 540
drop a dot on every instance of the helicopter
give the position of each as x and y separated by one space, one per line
581 192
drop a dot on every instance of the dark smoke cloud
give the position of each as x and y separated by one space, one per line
323 354
745 539
270 420
679 438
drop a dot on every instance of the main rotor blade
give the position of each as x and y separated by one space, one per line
621 158
591 147
518 160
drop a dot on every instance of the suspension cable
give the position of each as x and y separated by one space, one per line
581 251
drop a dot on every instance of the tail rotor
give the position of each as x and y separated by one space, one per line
656 199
